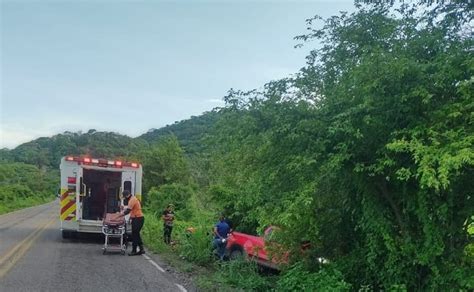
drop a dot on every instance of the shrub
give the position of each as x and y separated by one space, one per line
242 274
196 246
297 278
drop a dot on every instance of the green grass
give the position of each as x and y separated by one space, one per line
21 203
191 254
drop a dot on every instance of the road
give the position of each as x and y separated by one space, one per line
34 257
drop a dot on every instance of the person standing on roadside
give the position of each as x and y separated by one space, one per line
168 220
134 208
221 232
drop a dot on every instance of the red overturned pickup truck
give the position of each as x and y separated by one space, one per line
263 250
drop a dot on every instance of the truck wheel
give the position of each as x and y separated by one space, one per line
66 234
236 254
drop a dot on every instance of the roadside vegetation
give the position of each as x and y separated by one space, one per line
23 185
367 152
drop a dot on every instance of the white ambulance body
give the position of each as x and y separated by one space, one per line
92 187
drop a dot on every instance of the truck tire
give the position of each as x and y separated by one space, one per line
236 254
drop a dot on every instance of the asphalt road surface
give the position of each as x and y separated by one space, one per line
34 257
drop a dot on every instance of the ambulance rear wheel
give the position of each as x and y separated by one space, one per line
66 234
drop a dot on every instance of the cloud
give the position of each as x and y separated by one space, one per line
10 137
215 100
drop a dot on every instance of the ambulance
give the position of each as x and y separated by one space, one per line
92 187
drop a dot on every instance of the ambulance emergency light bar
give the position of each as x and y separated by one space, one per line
102 162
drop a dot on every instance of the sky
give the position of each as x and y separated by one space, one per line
129 66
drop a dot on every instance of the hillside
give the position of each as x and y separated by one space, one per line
189 132
47 151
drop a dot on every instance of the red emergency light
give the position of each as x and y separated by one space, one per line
102 162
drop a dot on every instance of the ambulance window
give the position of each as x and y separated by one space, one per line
127 186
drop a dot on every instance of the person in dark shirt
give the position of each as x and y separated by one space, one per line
221 232
227 220
168 219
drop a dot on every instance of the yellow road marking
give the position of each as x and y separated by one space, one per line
19 250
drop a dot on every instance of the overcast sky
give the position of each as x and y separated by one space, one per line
128 66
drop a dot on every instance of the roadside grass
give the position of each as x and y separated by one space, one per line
21 203
191 254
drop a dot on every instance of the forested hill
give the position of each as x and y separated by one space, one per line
47 151
189 132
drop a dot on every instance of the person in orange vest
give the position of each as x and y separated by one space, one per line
134 208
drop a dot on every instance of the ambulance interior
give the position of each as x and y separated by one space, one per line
100 193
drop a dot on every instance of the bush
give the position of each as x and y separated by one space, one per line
176 193
298 278
242 274
196 247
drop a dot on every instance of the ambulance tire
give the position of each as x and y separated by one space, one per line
66 234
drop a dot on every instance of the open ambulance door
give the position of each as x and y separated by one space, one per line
69 199
81 192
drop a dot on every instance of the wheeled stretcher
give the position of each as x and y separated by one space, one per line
114 226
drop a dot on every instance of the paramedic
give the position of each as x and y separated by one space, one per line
135 209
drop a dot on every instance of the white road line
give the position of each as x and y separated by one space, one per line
153 263
156 265
181 288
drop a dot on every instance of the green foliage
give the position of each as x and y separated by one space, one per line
23 185
190 132
196 246
164 163
297 278
47 152
368 152
152 231
175 193
243 275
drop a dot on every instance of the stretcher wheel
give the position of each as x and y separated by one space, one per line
104 251
122 252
